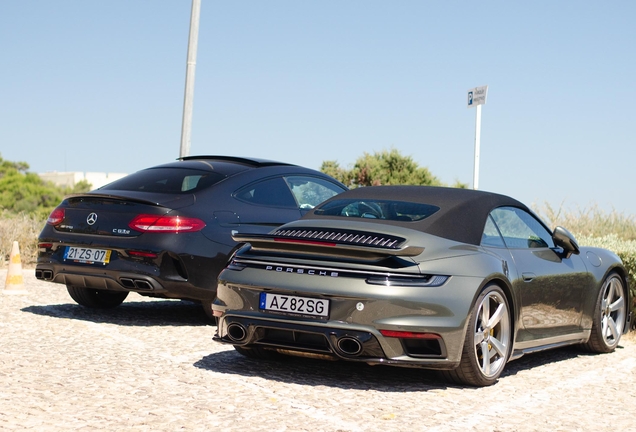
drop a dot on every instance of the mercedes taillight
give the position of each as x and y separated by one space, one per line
56 217
166 224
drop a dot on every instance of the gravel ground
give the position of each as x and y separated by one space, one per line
151 365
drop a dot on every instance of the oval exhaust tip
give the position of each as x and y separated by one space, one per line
349 345
236 332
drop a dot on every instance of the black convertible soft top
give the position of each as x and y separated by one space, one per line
461 217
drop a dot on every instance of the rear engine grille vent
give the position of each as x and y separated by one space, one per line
342 237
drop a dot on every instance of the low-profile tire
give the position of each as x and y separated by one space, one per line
488 340
95 298
609 316
257 353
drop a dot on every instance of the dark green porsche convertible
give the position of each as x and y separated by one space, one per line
452 279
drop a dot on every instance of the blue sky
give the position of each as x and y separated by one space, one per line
98 86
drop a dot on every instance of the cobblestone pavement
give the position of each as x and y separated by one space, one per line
151 365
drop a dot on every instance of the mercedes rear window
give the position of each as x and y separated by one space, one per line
377 209
166 180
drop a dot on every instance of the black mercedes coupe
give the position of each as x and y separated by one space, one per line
166 231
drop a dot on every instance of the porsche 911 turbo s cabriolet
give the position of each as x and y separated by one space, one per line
457 280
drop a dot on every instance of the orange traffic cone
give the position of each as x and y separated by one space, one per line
14 283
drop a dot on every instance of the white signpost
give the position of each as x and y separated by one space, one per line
477 98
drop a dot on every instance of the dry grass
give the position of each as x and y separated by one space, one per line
592 221
21 228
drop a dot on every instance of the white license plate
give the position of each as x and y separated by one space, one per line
87 255
294 304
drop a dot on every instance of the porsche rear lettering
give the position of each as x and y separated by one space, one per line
295 270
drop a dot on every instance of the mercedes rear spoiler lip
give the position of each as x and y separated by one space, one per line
162 200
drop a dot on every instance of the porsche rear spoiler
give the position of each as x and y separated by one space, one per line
356 245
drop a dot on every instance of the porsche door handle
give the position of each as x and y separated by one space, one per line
527 277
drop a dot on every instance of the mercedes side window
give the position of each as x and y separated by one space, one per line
271 192
311 191
521 230
491 236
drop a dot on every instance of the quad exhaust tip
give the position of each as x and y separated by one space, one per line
139 284
46 275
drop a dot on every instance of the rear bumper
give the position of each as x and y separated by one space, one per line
118 281
183 267
143 278
406 326
329 340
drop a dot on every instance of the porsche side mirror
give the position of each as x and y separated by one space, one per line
566 241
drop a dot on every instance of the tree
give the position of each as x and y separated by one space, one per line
333 169
7 166
387 167
22 191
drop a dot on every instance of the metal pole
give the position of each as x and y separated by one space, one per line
186 125
477 143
